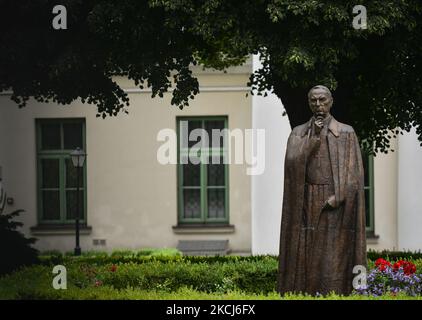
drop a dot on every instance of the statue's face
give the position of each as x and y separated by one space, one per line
320 102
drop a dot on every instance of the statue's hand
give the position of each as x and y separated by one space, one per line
318 125
331 203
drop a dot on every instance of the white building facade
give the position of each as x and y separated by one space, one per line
131 200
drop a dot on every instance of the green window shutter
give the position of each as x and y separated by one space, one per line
202 181
368 164
56 176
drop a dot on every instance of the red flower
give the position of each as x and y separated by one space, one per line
98 283
380 261
382 267
113 268
382 264
398 265
407 266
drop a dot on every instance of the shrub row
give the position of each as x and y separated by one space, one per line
394 255
154 280
172 255
109 293
248 277
100 258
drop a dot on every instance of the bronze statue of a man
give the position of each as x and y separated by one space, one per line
323 217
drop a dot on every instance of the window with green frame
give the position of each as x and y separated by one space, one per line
368 166
202 171
56 175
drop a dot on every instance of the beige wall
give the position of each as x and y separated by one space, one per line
132 199
385 200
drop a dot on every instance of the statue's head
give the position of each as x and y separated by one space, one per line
320 101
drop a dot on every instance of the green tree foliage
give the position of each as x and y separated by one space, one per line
375 73
15 248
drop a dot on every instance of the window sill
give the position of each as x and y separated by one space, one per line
371 237
203 228
59 229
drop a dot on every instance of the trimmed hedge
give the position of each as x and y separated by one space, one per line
109 293
394 255
160 275
173 255
248 277
156 281
101 258
117 256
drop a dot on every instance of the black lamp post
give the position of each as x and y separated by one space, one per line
78 159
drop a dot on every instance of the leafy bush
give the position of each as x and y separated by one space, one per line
161 252
170 276
168 271
394 255
173 255
249 277
154 279
35 283
161 255
15 248
117 256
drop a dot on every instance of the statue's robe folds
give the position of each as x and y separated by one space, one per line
319 247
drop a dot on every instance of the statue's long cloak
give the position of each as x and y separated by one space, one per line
349 238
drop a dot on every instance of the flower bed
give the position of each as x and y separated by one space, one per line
392 278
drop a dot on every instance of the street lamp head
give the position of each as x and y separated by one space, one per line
78 157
